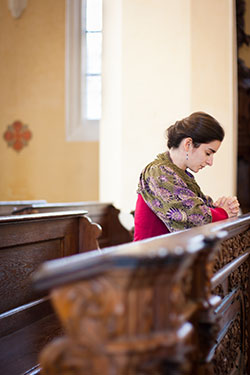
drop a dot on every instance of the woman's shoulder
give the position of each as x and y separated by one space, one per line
160 165
161 173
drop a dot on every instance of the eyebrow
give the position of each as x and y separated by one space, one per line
211 149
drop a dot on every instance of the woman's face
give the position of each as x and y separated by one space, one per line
202 156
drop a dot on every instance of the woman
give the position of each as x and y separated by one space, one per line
169 199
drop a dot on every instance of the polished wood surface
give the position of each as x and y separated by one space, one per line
27 320
7 207
176 304
31 233
104 214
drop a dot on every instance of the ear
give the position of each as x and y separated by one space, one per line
188 142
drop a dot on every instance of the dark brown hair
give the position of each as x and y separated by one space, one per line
199 126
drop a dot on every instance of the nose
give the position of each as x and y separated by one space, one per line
210 160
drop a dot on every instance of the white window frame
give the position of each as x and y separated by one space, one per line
76 129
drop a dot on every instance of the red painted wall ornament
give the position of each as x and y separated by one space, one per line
17 135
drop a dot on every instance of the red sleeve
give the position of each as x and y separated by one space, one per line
218 214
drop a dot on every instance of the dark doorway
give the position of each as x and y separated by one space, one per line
243 163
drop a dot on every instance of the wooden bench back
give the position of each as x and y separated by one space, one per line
7 207
27 320
176 304
104 214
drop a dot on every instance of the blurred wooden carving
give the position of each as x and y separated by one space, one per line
175 305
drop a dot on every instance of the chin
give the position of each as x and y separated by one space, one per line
195 169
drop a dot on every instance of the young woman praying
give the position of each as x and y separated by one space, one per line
169 198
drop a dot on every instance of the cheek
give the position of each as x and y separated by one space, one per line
198 157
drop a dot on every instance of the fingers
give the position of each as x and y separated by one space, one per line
220 202
233 202
234 208
230 204
233 205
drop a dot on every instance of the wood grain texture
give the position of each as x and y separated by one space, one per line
19 350
27 321
104 214
175 304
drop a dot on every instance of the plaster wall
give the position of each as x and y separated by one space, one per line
175 57
214 86
32 76
151 89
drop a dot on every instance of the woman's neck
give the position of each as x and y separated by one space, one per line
178 158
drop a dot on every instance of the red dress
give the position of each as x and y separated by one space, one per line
147 223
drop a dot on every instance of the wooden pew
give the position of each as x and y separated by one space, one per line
27 321
104 214
177 304
7 207
107 216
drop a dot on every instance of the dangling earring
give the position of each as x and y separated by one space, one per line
187 156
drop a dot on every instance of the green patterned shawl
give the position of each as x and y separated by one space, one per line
173 195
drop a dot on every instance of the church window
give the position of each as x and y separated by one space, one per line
83 69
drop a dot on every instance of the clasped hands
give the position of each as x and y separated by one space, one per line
229 204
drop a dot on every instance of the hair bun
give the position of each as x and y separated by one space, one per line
199 126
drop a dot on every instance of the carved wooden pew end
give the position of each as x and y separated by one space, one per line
176 304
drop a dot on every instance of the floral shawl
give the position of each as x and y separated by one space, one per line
173 195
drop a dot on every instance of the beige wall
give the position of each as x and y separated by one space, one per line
175 57
214 85
146 88
32 76
162 60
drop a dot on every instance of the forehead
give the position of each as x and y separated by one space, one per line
212 146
